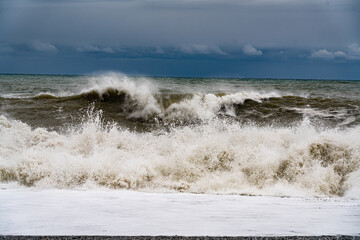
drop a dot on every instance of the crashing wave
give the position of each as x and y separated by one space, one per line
142 100
216 157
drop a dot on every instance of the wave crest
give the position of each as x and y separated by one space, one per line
141 99
135 97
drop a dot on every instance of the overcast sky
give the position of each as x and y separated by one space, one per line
218 38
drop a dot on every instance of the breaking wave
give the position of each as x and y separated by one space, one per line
217 157
143 100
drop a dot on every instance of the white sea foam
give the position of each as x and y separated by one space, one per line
129 213
206 106
217 157
313 112
54 94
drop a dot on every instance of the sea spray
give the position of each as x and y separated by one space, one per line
219 157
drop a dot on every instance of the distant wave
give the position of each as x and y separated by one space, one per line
170 106
217 157
142 100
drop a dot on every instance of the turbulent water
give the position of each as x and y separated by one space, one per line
224 136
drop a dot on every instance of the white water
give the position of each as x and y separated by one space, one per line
65 212
218 157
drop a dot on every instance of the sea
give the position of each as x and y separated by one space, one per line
111 154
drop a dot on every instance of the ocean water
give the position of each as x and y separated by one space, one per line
222 136
74 137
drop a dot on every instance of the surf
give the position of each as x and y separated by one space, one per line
218 157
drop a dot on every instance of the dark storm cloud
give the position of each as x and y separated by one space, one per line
292 23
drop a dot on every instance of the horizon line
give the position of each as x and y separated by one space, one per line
198 77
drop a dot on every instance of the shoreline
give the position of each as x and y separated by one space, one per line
80 237
126 213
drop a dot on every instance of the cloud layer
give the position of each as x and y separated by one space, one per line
264 24
352 53
251 51
43 47
325 54
200 37
201 49
94 48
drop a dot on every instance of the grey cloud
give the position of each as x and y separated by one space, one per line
327 55
94 48
201 49
43 47
340 54
265 24
251 51
159 50
354 51
322 53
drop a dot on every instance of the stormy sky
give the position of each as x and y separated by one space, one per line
205 38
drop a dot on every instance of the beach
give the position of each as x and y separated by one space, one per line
128 213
